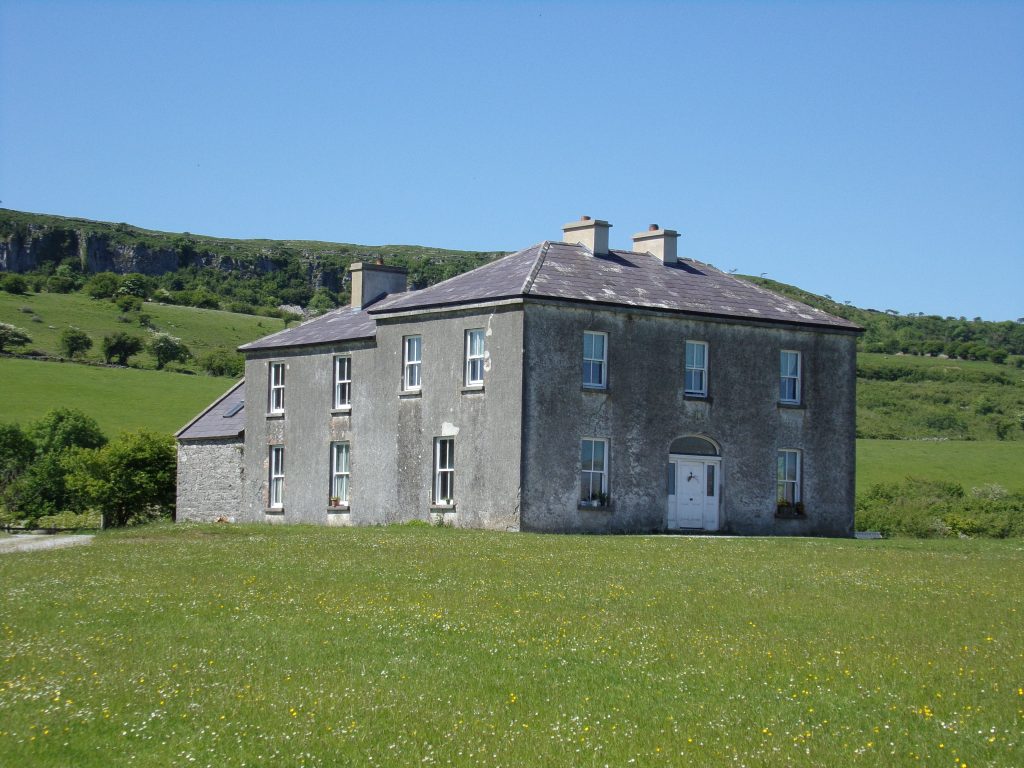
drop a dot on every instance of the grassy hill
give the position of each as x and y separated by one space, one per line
117 398
411 646
905 397
45 315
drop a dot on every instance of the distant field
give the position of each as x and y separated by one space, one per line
201 329
294 645
118 398
970 463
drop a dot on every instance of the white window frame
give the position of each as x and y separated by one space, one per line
275 490
793 382
788 489
412 369
702 370
444 471
601 475
591 363
341 472
474 360
275 388
342 383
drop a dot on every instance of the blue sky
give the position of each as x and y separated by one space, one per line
870 151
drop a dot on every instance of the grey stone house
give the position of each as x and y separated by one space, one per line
566 387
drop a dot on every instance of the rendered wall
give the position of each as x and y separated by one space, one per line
391 435
644 409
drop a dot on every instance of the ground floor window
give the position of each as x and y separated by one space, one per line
276 476
789 478
339 473
444 470
594 470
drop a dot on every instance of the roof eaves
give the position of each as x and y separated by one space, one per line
852 328
512 298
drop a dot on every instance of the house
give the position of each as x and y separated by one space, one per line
565 387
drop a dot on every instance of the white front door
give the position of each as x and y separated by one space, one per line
693 494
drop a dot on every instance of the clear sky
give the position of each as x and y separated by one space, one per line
870 151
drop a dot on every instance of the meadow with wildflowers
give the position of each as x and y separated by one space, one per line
241 645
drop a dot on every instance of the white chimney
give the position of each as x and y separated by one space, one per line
593 233
660 243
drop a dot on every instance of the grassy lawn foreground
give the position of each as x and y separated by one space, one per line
240 645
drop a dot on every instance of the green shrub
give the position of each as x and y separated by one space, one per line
222 362
103 285
74 341
13 336
14 284
128 303
930 509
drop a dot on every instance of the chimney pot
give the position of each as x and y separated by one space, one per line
591 233
660 243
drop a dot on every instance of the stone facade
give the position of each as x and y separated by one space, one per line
210 476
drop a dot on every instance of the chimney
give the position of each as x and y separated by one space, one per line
593 233
660 243
371 282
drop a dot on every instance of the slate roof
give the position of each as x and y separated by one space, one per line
621 278
224 418
342 324
555 270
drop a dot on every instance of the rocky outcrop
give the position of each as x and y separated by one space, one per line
27 250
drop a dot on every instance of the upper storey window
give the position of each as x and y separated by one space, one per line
696 369
475 357
342 382
412 362
276 397
595 359
789 377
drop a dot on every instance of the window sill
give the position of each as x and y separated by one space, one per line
410 394
442 507
274 511
276 415
696 397
594 389
340 509
789 514
344 410
472 389
792 406
583 507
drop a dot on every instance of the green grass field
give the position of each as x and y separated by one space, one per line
200 329
970 463
261 645
118 398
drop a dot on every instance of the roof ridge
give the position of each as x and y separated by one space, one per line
535 269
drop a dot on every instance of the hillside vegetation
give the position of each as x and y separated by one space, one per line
197 270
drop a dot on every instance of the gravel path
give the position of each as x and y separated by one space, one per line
27 542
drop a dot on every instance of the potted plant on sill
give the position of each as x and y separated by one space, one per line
335 501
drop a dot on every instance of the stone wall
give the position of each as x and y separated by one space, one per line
209 479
